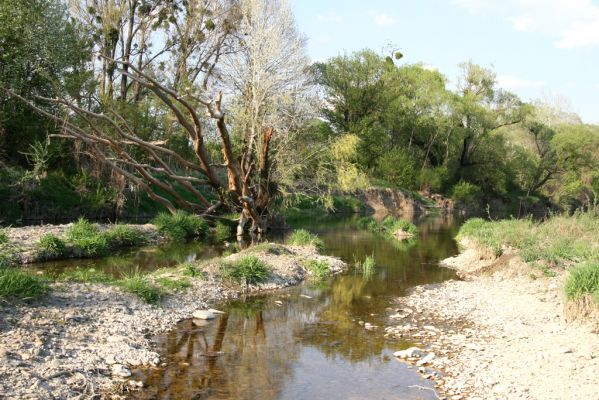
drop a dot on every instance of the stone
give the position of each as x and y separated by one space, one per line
426 359
203 314
121 371
213 311
411 352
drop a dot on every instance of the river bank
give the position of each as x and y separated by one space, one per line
502 333
82 339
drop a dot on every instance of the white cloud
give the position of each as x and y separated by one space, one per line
514 83
571 23
384 20
330 16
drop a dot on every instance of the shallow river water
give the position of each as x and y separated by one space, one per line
307 342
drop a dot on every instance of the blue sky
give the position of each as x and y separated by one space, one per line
546 49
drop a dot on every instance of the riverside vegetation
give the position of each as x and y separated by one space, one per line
560 244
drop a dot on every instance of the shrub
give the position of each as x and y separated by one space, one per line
142 287
465 191
248 270
52 245
320 270
20 285
180 226
302 237
91 246
398 168
389 226
124 236
582 280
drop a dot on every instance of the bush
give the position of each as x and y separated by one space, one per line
248 270
465 192
320 270
302 237
398 168
142 287
52 245
180 226
20 285
582 280
389 226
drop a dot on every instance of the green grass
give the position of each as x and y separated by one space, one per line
367 265
81 229
141 286
248 269
121 236
189 269
583 280
566 242
3 236
320 270
222 231
302 237
180 226
388 226
90 275
173 283
21 285
52 245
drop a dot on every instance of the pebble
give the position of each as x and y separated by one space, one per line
121 371
203 314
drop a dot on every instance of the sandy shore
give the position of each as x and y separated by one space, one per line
80 341
499 334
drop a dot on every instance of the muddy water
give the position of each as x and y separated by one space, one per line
307 342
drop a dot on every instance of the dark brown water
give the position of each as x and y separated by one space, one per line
306 342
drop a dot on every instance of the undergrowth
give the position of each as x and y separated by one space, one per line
302 237
248 270
21 285
180 226
319 270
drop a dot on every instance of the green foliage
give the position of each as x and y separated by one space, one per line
174 284
81 230
20 285
302 237
90 275
248 270
583 280
222 231
367 266
141 286
3 236
560 241
398 168
388 226
320 270
189 269
464 191
52 245
120 236
180 226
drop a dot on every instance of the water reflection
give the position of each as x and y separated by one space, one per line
307 342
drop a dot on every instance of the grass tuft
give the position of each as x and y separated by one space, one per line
248 270
173 283
141 286
389 227
222 231
583 280
302 237
52 245
320 270
180 226
21 285
90 275
3 236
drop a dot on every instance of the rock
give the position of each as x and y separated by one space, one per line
121 371
411 352
203 314
133 383
109 359
200 322
213 311
564 350
426 359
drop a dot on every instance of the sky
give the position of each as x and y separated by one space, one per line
540 49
